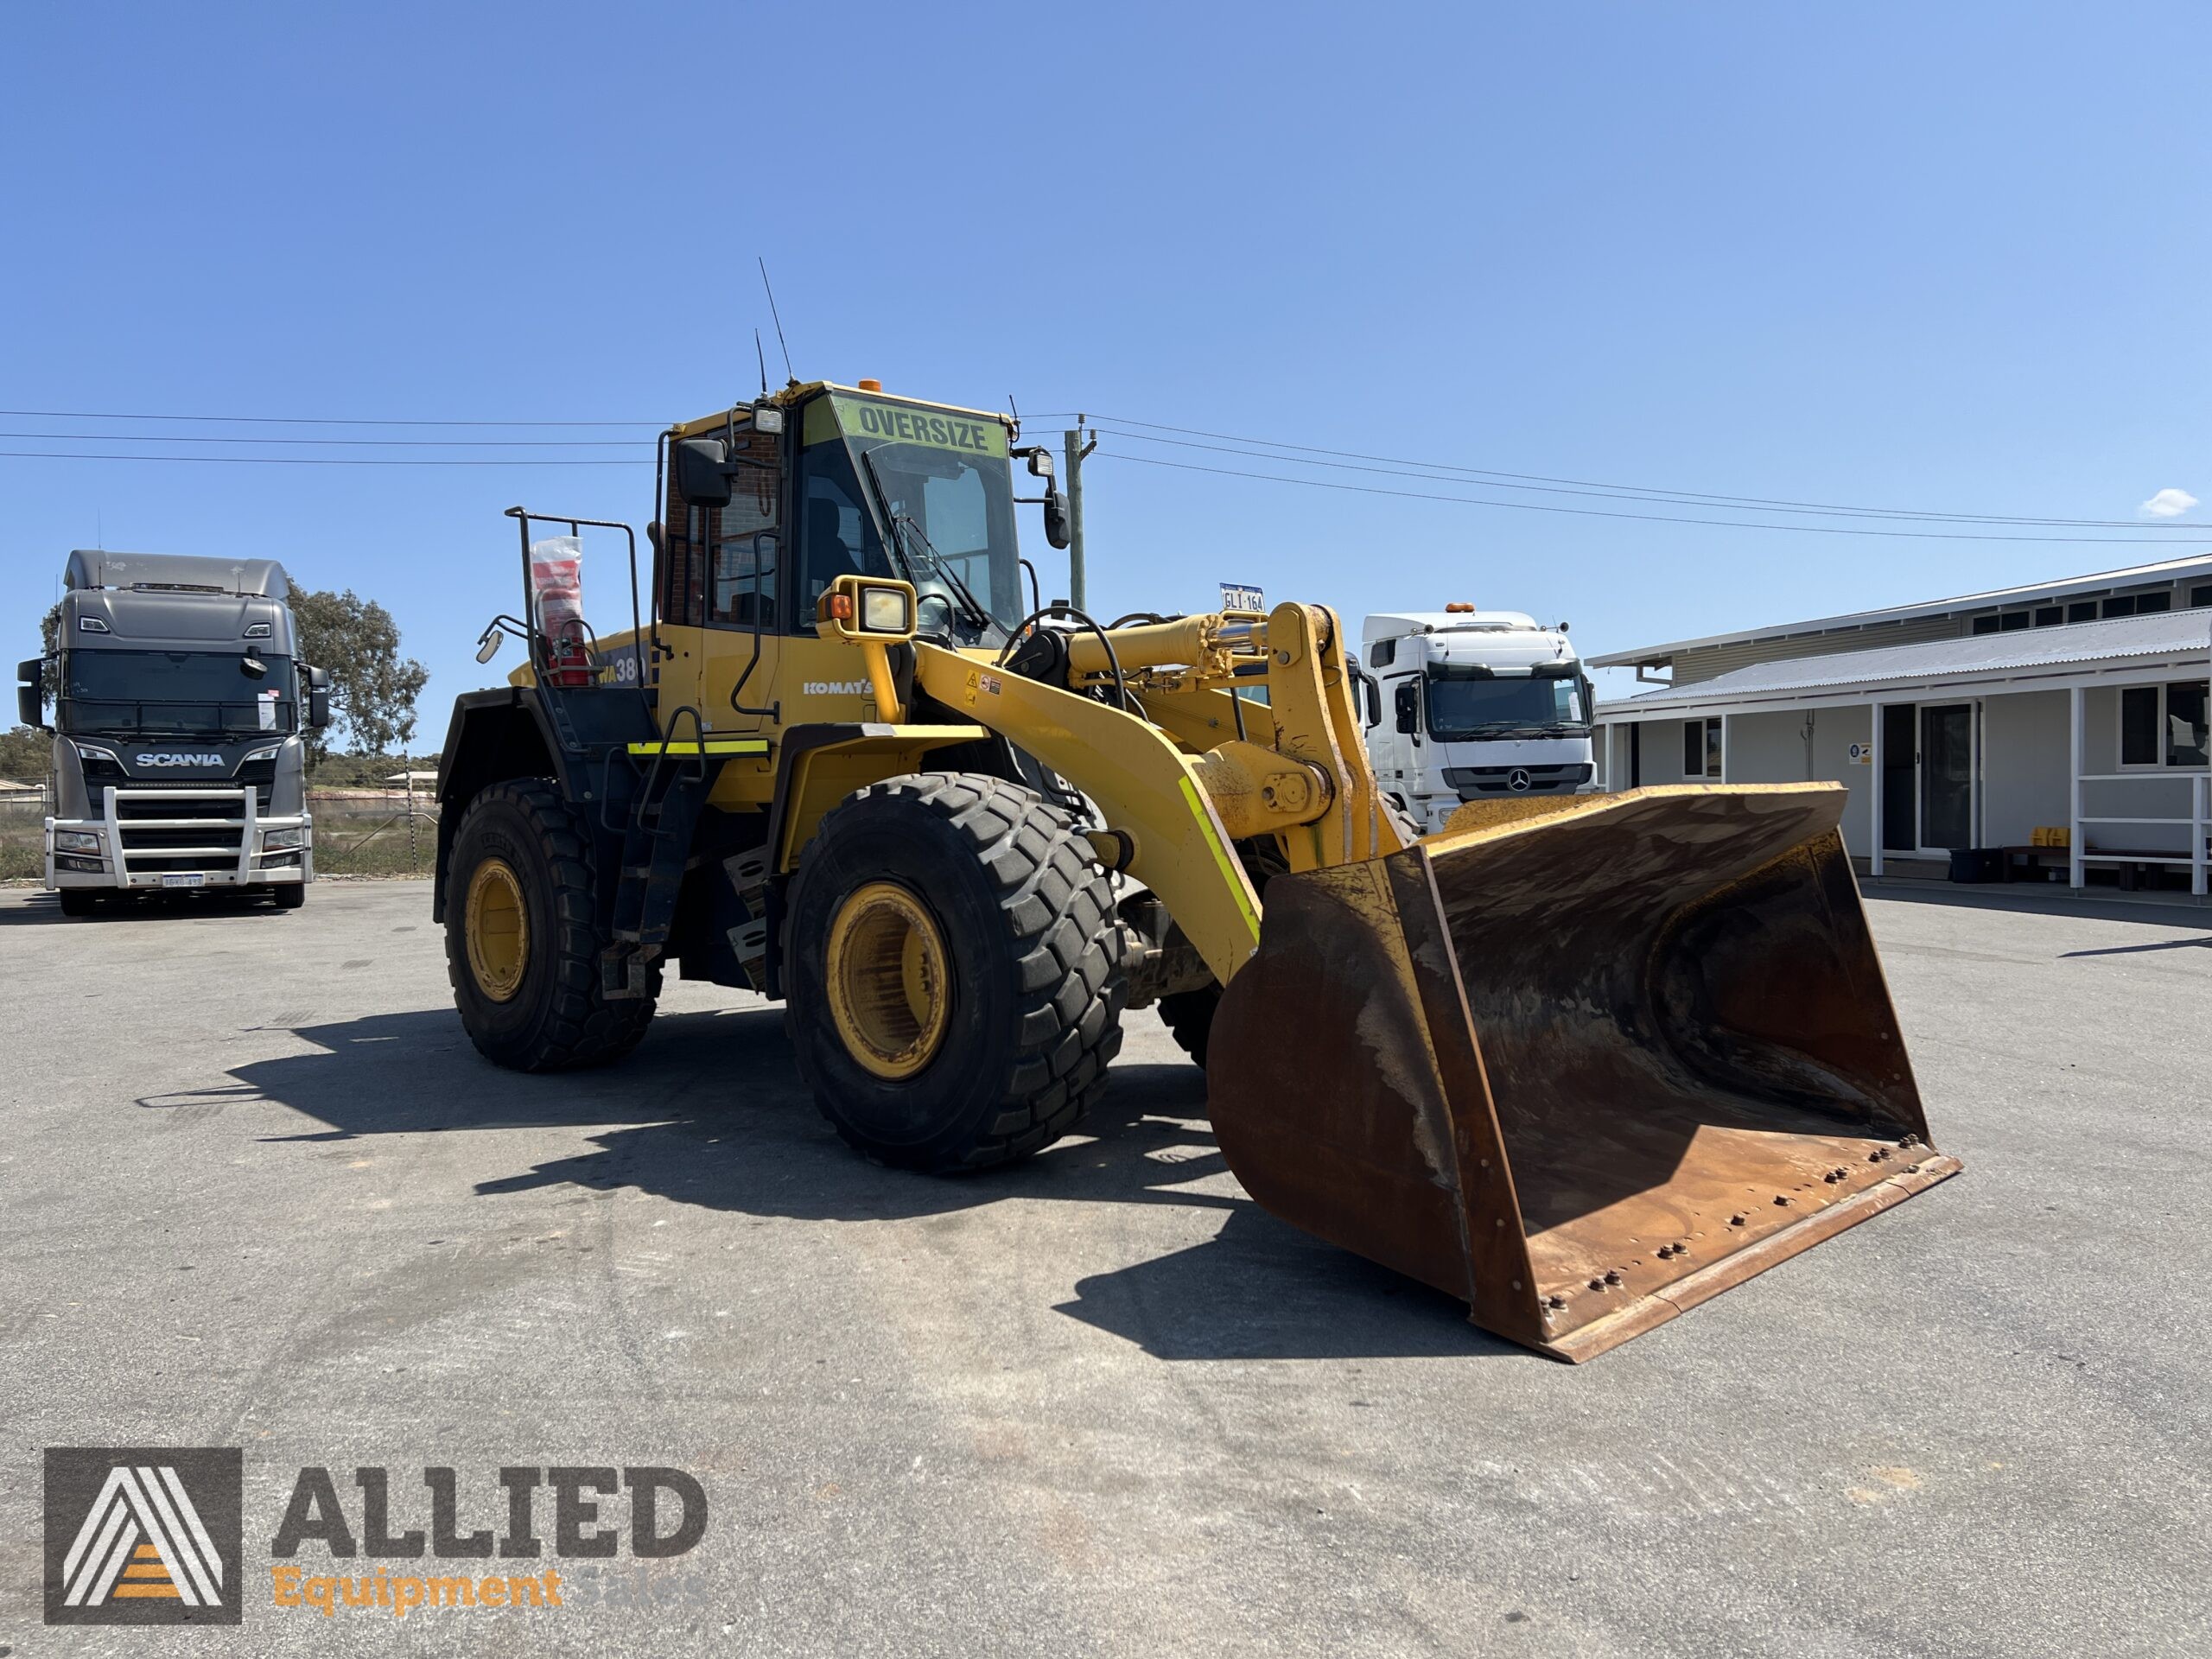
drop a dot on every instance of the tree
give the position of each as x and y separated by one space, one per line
372 687
25 753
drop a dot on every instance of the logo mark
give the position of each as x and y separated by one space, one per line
1517 779
164 758
143 1534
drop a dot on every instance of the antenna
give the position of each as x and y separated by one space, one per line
763 356
778 321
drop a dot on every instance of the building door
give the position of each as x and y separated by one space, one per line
1900 808
1946 776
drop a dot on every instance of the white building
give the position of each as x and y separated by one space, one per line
1973 723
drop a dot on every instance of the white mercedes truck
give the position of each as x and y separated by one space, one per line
1464 705
181 710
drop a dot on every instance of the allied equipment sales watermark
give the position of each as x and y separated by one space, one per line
143 1534
139 1535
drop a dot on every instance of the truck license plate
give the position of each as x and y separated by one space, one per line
196 878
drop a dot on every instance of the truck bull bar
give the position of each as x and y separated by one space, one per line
217 865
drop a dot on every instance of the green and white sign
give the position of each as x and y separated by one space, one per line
838 415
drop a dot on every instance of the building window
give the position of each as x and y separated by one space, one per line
2081 610
1985 625
2013 621
2146 604
2165 725
2049 616
2199 597
1701 748
2121 605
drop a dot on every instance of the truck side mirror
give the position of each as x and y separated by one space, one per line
318 698
1056 518
31 707
1408 707
1374 700
702 471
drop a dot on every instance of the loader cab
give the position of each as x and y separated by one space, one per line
851 483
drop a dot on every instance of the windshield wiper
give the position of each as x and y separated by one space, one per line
978 618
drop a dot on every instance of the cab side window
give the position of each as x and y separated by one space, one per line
745 539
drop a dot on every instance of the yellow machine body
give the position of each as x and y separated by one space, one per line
1583 1063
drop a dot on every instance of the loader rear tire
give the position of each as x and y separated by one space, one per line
955 971
523 940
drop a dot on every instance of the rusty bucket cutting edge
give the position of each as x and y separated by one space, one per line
1583 1063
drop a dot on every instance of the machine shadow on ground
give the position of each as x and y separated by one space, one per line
710 1110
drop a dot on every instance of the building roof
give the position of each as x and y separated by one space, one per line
2166 570
2022 653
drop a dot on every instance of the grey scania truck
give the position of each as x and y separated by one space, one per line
180 707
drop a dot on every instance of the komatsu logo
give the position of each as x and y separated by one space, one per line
179 758
836 688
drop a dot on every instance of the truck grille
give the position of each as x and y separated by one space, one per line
1473 782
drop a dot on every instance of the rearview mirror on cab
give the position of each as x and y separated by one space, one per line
702 471
1406 705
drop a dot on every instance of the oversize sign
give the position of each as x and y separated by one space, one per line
932 429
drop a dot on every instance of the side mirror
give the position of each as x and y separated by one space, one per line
318 698
30 707
702 471
1374 701
252 667
1056 518
488 646
1407 707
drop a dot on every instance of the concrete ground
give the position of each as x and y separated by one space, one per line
257 1190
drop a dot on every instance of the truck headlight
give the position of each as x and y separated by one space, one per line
75 840
268 753
884 610
272 839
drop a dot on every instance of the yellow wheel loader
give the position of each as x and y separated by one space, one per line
1582 1062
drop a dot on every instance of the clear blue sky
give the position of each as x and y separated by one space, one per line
1949 257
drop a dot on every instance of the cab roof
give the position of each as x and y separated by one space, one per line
797 393
176 572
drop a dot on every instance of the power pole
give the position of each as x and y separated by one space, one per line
1077 449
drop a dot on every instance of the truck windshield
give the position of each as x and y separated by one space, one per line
1464 705
940 485
199 692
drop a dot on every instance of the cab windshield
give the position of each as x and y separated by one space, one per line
920 494
201 693
1465 703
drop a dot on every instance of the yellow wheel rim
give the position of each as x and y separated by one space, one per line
890 993
497 929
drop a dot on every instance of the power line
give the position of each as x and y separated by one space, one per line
1600 513
292 420
347 443
1599 488
312 460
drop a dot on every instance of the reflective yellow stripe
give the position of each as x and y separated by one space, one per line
1231 871
714 745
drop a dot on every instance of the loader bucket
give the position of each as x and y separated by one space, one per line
1583 1063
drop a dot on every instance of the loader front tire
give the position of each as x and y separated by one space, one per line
955 971
522 936
1188 1016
